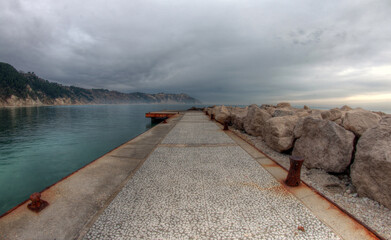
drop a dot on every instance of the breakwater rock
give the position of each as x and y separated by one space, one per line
356 142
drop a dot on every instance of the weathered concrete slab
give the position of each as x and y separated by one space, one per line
75 200
204 192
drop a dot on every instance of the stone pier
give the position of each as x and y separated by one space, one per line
192 180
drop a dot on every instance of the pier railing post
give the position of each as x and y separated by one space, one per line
225 126
293 178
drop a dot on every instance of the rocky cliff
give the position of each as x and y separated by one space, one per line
27 89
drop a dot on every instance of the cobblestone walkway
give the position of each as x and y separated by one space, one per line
198 184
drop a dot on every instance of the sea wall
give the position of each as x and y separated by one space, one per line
344 140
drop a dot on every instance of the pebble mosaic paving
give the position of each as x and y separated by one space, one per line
199 192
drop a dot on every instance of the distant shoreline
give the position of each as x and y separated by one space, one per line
97 104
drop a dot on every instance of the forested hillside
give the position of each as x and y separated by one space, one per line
20 89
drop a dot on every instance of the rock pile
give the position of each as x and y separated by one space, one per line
339 140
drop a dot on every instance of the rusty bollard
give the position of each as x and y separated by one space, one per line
206 113
37 204
165 121
212 116
225 126
293 178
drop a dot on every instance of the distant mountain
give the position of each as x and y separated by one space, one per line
27 89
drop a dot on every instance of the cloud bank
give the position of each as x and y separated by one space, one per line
233 52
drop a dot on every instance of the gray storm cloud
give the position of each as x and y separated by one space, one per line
218 51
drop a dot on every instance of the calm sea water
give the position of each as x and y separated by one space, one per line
41 145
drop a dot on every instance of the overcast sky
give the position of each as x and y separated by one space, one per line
233 52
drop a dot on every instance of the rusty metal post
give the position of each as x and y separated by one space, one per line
212 116
293 178
165 121
37 204
225 126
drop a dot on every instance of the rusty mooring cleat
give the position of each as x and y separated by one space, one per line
293 178
212 116
164 121
37 204
225 126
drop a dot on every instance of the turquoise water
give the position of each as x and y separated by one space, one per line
41 145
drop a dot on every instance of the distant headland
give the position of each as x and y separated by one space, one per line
19 89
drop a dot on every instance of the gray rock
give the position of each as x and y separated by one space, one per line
338 121
278 132
359 120
282 112
316 113
266 106
381 114
302 113
222 114
284 105
298 130
255 120
237 117
332 114
386 119
371 169
346 108
325 145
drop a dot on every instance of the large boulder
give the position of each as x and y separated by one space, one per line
325 145
237 117
346 108
316 113
268 108
222 114
298 130
371 169
302 113
332 114
283 105
359 120
278 132
282 109
255 120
